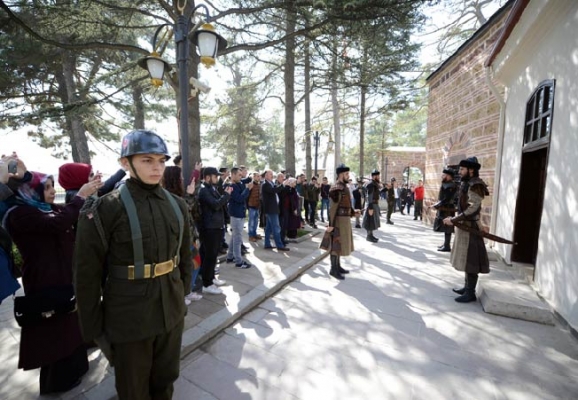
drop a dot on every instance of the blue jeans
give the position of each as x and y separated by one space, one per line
234 252
324 206
253 221
272 227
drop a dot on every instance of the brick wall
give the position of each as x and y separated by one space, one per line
399 158
463 116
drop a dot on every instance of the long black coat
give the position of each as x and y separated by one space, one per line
445 207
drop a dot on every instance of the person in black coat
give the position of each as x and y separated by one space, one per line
358 196
270 199
211 228
446 208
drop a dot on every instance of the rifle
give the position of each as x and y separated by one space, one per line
486 235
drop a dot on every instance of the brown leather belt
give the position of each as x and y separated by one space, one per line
150 270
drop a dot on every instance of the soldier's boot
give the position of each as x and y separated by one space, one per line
374 238
462 290
334 272
341 270
470 294
446 245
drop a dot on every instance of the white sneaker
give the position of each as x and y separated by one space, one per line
187 302
212 290
193 296
219 282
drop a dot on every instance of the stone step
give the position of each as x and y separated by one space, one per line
513 299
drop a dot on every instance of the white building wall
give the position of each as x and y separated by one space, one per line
551 54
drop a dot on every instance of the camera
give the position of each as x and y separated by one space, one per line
12 166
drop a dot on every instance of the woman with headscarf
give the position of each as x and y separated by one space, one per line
44 235
71 177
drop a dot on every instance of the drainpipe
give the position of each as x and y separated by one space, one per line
501 125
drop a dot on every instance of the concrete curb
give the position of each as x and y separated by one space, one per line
208 328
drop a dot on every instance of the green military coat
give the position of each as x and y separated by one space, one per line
131 310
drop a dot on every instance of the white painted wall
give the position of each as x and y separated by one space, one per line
526 60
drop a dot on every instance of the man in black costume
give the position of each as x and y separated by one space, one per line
445 208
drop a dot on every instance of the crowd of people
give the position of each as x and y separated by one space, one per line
132 254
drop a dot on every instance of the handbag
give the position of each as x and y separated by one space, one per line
46 304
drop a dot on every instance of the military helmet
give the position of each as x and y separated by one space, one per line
142 141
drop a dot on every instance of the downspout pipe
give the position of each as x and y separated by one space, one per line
501 134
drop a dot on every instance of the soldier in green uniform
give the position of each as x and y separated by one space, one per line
130 239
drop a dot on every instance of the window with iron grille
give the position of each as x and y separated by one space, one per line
539 114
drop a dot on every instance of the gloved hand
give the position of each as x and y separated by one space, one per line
105 347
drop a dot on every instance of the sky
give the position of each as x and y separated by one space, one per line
105 158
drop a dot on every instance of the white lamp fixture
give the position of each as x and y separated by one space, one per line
209 43
156 67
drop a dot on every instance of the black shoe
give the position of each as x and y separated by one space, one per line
358 226
342 270
244 251
225 245
229 260
335 273
375 239
445 249
459 291
467 297
223 251
371 239
415 218
389 222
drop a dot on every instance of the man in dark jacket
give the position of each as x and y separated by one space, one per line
446 208
325 186
390 200
212 225
371 220
137 319
312 191
237 212
270 196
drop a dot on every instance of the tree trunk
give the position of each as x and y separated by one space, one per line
335 106
362 129
139 107
73 115
194 110
307 77
289 76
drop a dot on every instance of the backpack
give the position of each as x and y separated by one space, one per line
8 272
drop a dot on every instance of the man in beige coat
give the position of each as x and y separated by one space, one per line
340 213
469 251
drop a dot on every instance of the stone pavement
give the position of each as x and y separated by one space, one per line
391 329
245 289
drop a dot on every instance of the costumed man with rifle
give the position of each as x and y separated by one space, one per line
340 213
445 208
371 220
469 251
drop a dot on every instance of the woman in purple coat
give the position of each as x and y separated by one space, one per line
44 235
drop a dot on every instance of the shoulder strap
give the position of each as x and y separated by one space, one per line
181 219
135 231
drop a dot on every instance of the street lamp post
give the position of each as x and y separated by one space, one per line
209 43
316 138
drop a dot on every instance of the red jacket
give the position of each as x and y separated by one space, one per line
419 192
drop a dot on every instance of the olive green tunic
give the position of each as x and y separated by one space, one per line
131 310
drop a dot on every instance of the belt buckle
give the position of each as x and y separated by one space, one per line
163 268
